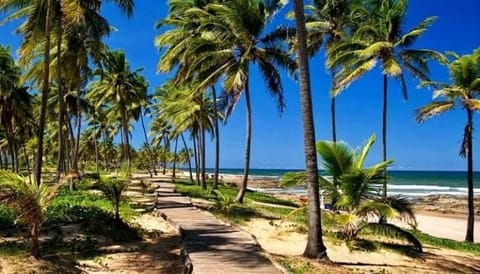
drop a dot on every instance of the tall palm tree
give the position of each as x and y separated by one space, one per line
120 90
40 18
221 41
380 38
185 111
329 22
15 106
464 91
315 247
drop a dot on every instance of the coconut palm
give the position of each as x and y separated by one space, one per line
40 18
329 22
464 91
184 111
112 187
315 247
15 106
380 38
355 193
213 41
120 90
29 199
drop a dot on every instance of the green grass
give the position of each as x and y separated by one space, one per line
12 249
426 239
192 190
295 267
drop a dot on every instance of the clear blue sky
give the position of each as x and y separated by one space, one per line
277 140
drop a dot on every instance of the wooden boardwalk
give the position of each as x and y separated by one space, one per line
211 245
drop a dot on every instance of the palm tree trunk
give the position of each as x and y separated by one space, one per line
243 186
189 161
15 151
147 144
34 231
61 105
45 90
11 149
27 162
203 182
97 165
165 150
127 142
333 111
384 133
217 140
471 208
79 127
315 247
175 159
195 155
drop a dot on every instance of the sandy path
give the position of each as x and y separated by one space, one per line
445 226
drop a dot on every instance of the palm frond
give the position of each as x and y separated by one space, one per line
291 179
392 231
432 109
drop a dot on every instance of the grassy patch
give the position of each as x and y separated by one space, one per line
71 207
447 243
295 266
12 249
192 190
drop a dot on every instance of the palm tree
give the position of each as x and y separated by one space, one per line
113 187
329 22
120 90
355 193
315 247
184 111
40 17
221 41
464 91
29 199
15 106
380 37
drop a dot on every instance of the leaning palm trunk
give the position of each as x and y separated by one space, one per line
471 209
45 90
315 247
217 140
203 182
188 160
147 144
243 186
175 159
195 155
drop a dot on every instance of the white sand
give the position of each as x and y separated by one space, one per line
449 227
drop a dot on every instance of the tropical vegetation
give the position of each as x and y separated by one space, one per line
69 104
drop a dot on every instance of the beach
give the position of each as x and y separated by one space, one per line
440 215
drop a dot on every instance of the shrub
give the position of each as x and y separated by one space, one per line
7 217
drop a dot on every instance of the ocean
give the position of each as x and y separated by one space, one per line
408 183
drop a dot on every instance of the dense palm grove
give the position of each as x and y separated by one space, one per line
69 97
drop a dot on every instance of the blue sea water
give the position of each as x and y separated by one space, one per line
409 183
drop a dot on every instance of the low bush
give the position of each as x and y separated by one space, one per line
7 217
71 207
